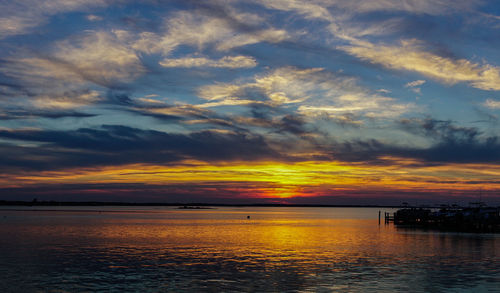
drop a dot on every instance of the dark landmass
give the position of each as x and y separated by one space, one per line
183 205
194 208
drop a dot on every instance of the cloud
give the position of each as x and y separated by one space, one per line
101 56
15 25
449 151
67 100
351 20
113 144
440 130
295 124
415 83
177 113
266 35
186 114
26 100
262 118
12 114
486 151
57 105
347 120
321 9
315 92
378 107
71 75
93 17
23 16
339 17
492 104
96 57
411 56
282 86
347 24
224 62
224 32
431 7
309 9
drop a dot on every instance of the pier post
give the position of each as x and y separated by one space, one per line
379 218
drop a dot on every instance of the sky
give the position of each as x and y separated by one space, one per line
262 101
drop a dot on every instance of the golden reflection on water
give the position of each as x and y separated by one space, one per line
276 249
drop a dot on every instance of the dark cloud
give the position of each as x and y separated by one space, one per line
263 111
118 98
8 87
188 114
450 151
115 145
445 151
294 124
389 196
441 130
233 193
211 192
355 151
449 144
166 112
263 116
33 114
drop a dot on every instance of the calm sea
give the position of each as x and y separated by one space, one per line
282 249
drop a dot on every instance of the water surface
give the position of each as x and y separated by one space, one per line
279 249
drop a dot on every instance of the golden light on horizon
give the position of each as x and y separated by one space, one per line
281 179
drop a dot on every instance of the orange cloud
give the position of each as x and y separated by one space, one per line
283 180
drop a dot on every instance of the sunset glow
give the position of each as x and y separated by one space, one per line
320 102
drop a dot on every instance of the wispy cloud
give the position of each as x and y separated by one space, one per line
200 30
413 6
492 104
309 9
282 86
414 86
20 17
314 91
93 17
68 100
224 62
412 56
100 56
320 9
96 57
343 15
415 83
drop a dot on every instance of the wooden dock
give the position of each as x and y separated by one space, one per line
462 219
388 217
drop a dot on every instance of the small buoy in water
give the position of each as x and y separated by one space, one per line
248 217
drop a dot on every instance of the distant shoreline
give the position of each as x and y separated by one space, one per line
96 203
